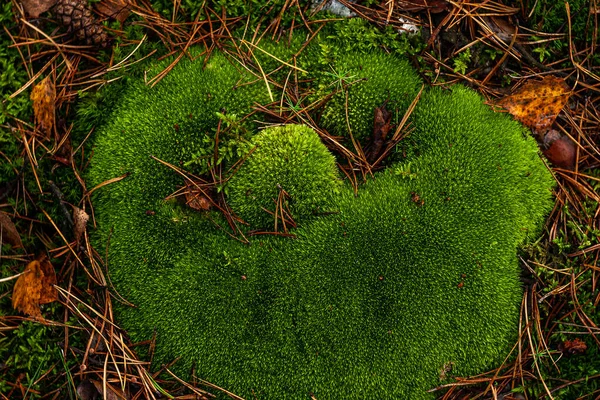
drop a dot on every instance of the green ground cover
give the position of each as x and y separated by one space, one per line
415 273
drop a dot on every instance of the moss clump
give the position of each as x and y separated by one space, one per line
171 122
368 80
414 274
291 159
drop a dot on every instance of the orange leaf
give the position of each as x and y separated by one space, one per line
536 104
43 96
48 293
34 287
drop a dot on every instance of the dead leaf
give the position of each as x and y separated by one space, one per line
112 393
537 103
572 347
8 231
381 128
81 218
504 29
43 96
35 287
561 150
196 199
116 9
550 137
87 391
34 8
48 294
27 289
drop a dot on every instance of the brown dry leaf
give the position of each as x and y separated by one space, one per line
112 393
35 287
87 391
195 199
43 96
117 9
8 231
537 103
48 294
34 8
382 122
503 28
572 347
81 218
381 128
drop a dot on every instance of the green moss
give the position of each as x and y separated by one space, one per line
171 120
368 80
359 35
253 8
291 159
416 273
187 9
11 79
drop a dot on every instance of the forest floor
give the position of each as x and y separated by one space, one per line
71 346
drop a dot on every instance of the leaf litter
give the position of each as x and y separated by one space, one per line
536 105
8 231
35 287
43 96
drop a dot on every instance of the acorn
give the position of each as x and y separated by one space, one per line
560 150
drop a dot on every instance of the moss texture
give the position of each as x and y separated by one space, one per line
363 82
290 159
415 274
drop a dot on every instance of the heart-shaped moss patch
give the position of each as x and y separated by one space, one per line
382 294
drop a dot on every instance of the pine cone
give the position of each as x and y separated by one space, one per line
77 16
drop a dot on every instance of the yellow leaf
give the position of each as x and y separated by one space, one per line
43 96
537 103
35 287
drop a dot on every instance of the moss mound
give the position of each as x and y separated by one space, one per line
415 275
370 80
289 166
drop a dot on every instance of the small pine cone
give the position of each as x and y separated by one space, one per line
77 16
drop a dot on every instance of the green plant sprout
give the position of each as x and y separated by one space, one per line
542 52
461 61
341 78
